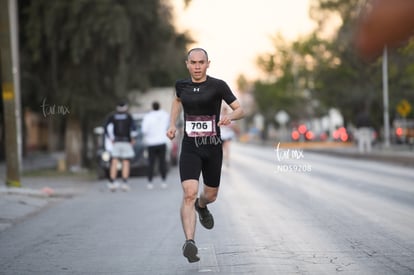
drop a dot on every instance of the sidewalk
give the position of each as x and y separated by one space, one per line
41 187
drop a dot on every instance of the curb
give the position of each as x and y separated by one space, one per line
45 192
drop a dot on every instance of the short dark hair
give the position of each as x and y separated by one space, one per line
122 106
197 49
155 106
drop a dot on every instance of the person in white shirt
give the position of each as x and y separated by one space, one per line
154 126
227 135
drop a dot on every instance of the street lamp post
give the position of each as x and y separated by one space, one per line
10 90
385 98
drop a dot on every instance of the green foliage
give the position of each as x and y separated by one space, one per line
288 70
332 72
77 52
353 84
273 97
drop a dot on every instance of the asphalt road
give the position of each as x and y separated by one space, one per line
278 212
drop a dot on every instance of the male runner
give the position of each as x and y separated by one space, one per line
201 97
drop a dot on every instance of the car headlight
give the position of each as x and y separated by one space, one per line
106 156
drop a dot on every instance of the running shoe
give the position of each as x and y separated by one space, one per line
113 186
190 251
205 217
125 187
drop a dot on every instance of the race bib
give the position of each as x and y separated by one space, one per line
200 126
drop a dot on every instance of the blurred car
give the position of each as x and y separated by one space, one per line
139 164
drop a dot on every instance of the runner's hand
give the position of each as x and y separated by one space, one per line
171 132
225 120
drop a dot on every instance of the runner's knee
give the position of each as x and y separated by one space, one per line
209 196
190 188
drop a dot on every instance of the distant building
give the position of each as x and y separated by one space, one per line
142 101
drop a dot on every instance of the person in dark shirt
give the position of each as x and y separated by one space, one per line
200 96
122 135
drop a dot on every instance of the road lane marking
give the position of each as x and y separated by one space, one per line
208 260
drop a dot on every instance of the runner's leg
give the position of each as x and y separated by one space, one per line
125 169
151 159
113 169
208 196
162 161
211 176
188 214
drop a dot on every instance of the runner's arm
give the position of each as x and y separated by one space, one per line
175 112
238 113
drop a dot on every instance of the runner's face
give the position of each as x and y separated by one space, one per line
197 65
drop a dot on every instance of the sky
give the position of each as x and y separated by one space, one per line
235 32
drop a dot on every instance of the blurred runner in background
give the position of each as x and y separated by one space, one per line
228 133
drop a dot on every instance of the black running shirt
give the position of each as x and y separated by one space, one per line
204 98
123 126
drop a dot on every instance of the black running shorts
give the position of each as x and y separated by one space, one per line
204 158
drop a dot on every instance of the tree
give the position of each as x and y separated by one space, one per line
87 55
331 72
343 79
348 82
282 88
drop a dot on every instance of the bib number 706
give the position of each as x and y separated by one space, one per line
199 126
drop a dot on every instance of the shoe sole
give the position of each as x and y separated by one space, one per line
190 252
